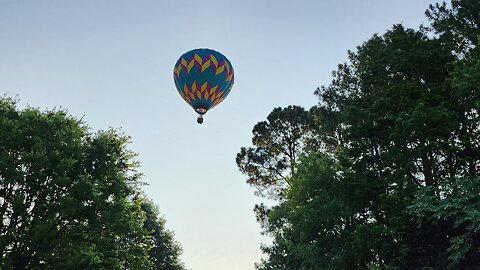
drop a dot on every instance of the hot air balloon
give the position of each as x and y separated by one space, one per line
204 78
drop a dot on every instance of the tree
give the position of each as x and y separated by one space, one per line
278 143
399 129
402 125
164 251
465 81
458 206
458 26
68 197
454 200
309 227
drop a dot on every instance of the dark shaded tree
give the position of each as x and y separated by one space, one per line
458 24
310 226
458 205
278 143
399 129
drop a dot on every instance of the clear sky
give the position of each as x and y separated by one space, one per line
111 62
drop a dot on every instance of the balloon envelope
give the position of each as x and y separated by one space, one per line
203 78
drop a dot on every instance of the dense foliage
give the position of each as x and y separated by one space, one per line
70 199
387 166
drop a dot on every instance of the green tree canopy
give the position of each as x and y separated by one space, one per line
71 199
278 143
390 178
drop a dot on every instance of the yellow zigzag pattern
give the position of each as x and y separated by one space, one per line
212 62
194 92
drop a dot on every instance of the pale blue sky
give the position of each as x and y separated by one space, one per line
111 63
